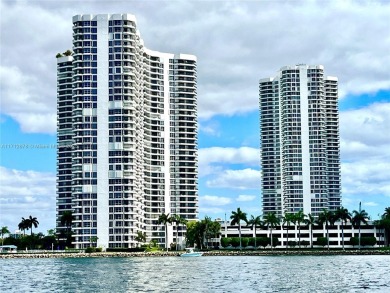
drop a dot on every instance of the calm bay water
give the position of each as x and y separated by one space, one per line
203 274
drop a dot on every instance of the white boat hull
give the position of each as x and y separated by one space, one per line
191 254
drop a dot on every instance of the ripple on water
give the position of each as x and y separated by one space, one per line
204 274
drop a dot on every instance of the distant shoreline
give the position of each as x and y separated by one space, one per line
206 253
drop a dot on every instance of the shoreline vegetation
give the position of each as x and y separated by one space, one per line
205 253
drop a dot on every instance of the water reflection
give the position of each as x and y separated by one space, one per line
204 274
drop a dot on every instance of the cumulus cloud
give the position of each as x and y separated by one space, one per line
236 44
243 197
370 204
365 132
213 200
366 177
210 128
25 193
212 210
236 179
210 159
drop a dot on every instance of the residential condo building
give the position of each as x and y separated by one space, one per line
299 121
127 135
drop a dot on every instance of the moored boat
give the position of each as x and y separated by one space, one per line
191 253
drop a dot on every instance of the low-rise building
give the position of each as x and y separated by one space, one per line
307 234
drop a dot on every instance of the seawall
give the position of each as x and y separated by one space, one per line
206 253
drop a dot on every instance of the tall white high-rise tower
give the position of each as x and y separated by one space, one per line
300 143
127 135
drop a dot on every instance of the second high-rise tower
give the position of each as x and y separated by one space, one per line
300 142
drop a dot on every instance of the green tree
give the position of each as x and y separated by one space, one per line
23 225
253 223
299 219
175 219
165 219
68 53
195 233
51 232
66 220
94 240
178 221
359 217
310 221
326 217
237 217
385 222
206 224
343 215
4 230
59 55
287 220
191 234
271 221
214 229
141 237
32 222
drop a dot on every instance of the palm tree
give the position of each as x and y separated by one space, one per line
32 221
165 219
386 214
237 217
214 229
385 222
4 230
207 223
310 221
253 222
66 220
288 219
23 225
183 222
178 220
299 218
271 220
141 237
343 215
326 217
359 217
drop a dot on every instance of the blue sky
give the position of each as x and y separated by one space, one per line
236 43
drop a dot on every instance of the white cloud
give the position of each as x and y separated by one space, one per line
25 193
213 200
243 197
365 155
236 179
236 44
210 128
211 158
367 128
212 210
370 204
365 178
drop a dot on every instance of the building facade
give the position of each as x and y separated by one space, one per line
299 122
127 134
307 234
